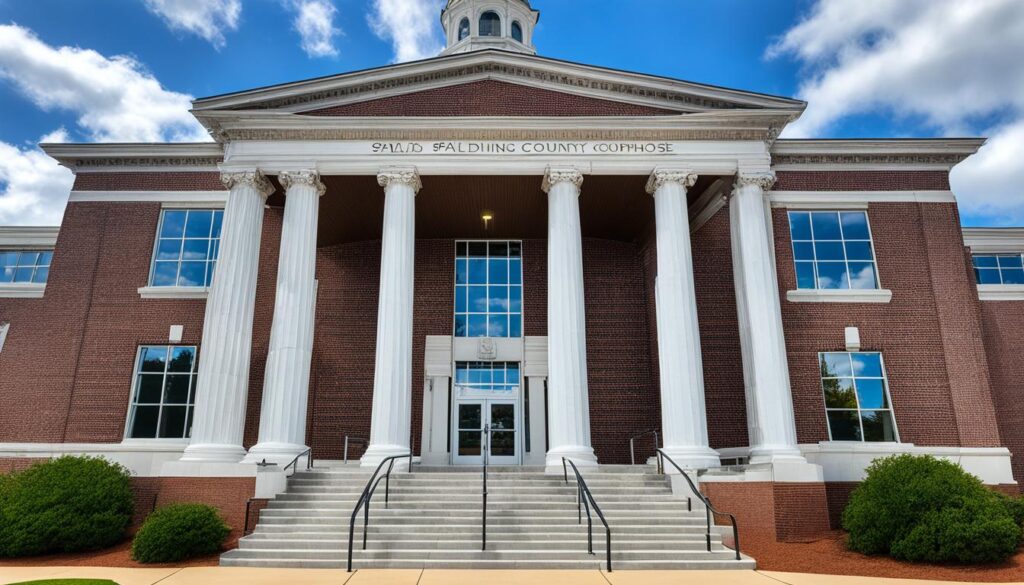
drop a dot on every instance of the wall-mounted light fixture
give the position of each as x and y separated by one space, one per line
487 215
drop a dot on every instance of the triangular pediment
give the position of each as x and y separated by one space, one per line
493 83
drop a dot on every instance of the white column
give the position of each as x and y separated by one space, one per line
568 397
286 384
391 419
683 417
770 422
223 381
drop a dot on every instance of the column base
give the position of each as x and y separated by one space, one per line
582 456
787 464
213 453
691 458
376 453
278 453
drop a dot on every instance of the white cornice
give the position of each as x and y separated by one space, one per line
854 199
205 198
137 157
22 290
549 73
839 296
849 155
1000 292
18 236
994 239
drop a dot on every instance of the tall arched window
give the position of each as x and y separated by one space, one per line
464 29
517 31
490 24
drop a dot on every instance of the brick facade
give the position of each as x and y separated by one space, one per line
786 512
1004 339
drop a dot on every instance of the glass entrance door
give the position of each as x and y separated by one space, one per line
486 427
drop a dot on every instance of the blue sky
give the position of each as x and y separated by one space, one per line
864 60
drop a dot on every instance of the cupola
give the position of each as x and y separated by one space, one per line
472 25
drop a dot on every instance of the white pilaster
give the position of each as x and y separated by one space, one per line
286 385
391 418
683 416
223 381
568 397
770 421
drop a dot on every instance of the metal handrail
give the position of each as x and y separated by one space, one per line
583 495
309 461
356 440
367 495
483 520
632 458
708 508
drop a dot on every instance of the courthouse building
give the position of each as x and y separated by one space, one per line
566 255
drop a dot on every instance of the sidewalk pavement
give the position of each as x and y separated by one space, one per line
246 576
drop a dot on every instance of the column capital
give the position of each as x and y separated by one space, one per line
307 177
662 176
762 180
253 178
400 176
555 175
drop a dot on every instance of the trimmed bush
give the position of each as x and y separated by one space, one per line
919 508
178 532
69 504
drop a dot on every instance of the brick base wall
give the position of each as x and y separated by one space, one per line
227 494
788 512
1004 341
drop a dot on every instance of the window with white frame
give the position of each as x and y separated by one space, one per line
487 377
187 246
999 268
488 289
833 250
25 266
164 392
857 401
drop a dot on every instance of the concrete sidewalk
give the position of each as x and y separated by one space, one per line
246 576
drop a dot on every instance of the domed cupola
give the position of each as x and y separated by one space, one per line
472 25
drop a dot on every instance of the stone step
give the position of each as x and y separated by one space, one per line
527 531
593 562
467 504
576 544
472 533
379 520
476 553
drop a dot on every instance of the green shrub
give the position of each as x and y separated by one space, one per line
179 531
919 508
68 504
1015 507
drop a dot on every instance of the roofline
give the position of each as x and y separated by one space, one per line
965 146
994 239
215 101
43 236
181 154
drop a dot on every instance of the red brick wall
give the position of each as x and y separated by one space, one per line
227 494
862 181
786 512
187 181
490 98
838 494
1004 343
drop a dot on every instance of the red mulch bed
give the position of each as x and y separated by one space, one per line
830 556
118 556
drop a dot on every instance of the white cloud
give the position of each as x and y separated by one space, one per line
410 25
207 18
314 21
953 65
33 187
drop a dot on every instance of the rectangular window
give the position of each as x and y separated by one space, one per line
488 377
25 266
164 392
187 247
999 268
857 402
488 289
833 250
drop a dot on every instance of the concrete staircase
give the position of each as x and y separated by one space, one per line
433 521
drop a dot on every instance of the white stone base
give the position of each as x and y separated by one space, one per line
847 461
376 453
144 458
280 454
690 458
213 453
580 455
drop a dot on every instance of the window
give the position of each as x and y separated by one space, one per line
999 268
833 250
517 31
463 28
3 334
857 402
25 266
187 247
164 393
488 289
489 377
490 25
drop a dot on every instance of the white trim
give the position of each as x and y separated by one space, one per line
22 290
1001 292
28 236
839 296
873 154
143 458
847 461
994 240
168 198
174 292
854 199
4 327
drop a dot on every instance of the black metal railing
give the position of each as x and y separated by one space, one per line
585 500
483 518
709 510
632 441
357 441
294 463
367 495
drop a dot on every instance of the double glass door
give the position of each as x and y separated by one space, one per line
486 427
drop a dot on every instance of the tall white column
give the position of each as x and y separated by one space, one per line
223 381
391 419
568 397
683 417
286 385
770 422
